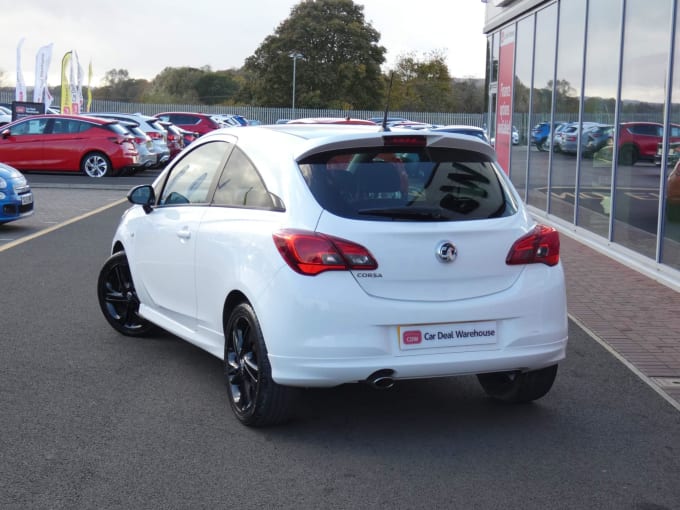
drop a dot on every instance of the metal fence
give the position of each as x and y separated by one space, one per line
271 115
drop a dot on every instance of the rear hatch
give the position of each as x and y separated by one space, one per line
439 221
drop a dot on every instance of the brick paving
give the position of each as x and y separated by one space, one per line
634 316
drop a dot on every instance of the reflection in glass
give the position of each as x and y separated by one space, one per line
599 105
524 40
567 96
645 57
544 65
670 249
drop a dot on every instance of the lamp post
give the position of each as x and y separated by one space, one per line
295 56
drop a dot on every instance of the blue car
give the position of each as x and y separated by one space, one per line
16 197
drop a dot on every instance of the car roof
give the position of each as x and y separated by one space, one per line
50 116
306 139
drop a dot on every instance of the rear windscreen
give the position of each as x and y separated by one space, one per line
413 185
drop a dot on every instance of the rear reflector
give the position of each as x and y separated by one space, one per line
540 245
311 253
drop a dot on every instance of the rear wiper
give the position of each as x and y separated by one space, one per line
406 213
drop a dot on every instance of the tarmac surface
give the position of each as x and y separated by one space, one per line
635 317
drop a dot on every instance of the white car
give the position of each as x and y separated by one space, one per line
318 255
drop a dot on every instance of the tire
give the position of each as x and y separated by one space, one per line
118 298
540 146
255 398
628 155
518 387
96 164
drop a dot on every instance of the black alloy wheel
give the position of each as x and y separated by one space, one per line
118 298
254 397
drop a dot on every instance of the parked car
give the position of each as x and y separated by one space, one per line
390 120
515 136
16 197
200 123
175 138
595 138
317 256
231 120
465 130
147 157
5 116
567 142
151 126
332 120
638 141
68 143
673 154
541 135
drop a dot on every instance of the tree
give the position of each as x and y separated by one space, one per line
118 86
422 84
176 84
218 87
340 63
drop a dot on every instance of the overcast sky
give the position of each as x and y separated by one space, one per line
146 36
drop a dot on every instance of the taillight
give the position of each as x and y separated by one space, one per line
154 135
540 245
311 253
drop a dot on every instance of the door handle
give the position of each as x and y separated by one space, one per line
185 233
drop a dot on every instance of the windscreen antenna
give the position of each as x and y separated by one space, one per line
387 105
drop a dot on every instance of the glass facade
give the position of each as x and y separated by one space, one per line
596 104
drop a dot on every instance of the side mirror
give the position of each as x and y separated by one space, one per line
6 134
143 195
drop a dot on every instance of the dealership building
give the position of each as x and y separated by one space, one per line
605 75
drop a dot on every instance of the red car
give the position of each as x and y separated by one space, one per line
200 123
68 143
639 141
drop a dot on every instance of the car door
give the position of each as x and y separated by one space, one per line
63 147
21 145
165 239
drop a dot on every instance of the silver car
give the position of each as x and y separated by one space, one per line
148 157
150 126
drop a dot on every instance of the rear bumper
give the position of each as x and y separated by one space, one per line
318 340
331 372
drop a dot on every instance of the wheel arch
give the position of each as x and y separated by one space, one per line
233 299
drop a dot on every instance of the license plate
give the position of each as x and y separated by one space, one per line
428 336
27 199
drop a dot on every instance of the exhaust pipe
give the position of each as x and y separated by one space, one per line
381 379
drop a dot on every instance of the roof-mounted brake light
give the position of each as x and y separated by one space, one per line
408 140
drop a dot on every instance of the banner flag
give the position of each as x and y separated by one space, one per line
65 85
79 87
20 94
42 66
89 87
73 84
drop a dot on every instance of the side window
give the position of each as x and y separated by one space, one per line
192 176
61 126
30 127
241 185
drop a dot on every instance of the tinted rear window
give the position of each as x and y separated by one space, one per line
413 185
